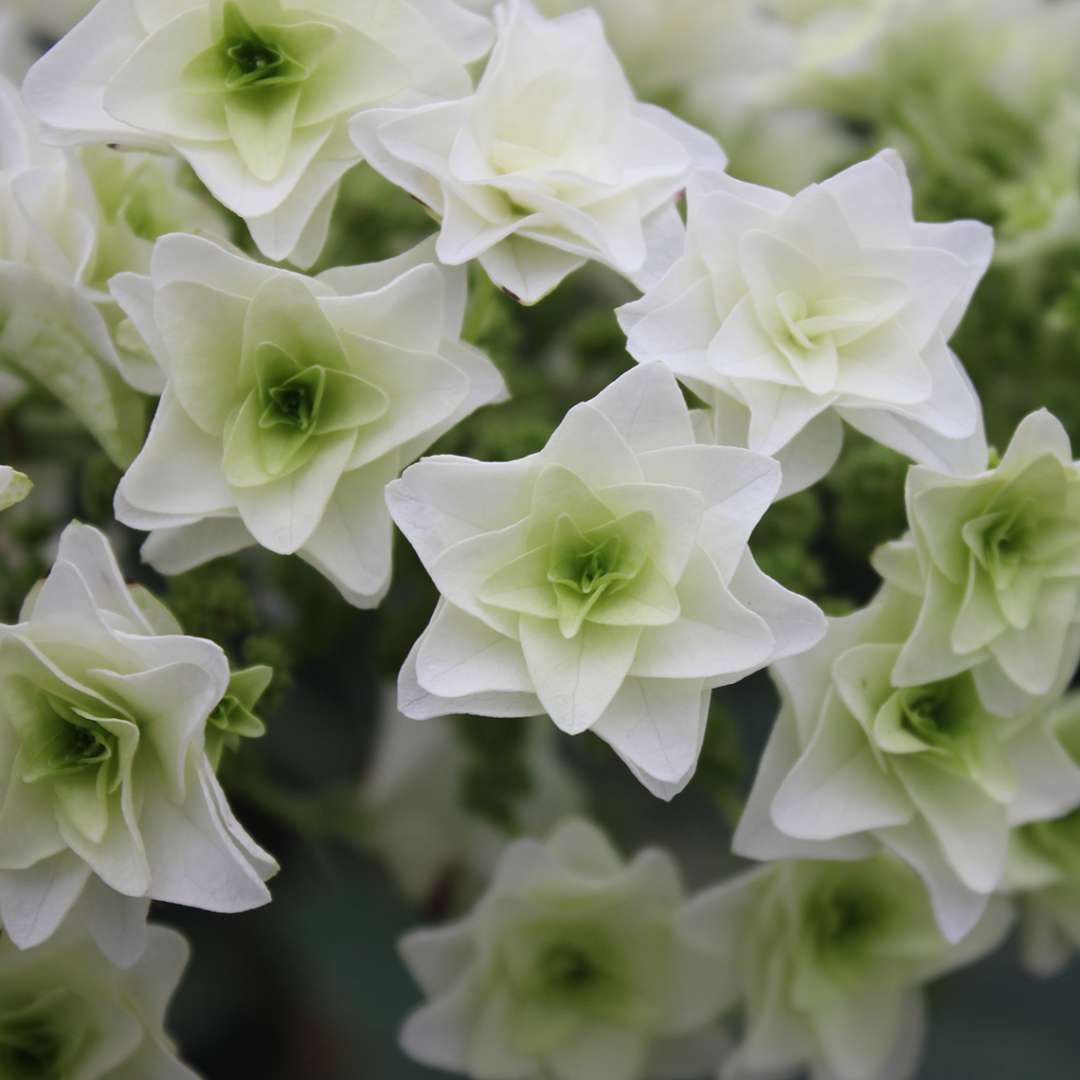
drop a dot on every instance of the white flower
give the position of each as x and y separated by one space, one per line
828 960
856 762
69 221
14 486
65 1012
605 580
53 331
415 795
994 562
570 967
834 304
291 402
107 799
550 163
255 94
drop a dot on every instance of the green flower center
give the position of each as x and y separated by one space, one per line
293 404
936 713
566 969
838 916
66 743
30 1050
592 569
253 60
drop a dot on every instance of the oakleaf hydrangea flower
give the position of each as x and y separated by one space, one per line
66 1012
255 94
291 403
571 966
107 799
995 562
552 162
415 793
14 486
856 762
828 961
52 330
831 305
605 580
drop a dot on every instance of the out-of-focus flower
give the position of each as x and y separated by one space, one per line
994 560
14 486
856 762
107 799
571 966
552 162
605 580
1044 869
52 330
832 305
828 960
255 94
66 1012
421 824
291 402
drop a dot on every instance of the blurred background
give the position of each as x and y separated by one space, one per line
381 824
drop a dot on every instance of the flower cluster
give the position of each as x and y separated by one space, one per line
253 94
586 529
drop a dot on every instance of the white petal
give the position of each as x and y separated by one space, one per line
657 727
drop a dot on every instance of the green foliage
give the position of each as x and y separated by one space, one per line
497 776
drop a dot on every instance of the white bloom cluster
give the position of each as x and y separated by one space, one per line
107 798
254 94
70 221
924 760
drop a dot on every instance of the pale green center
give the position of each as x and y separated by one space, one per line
66 742
938 713
587 568
30 1050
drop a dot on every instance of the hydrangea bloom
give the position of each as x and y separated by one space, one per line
856 761
571 966
255 94
605 580
995 562
550 163
415 795
65 1012
107 799
52 330
14 486
834 304
291 403
828 960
